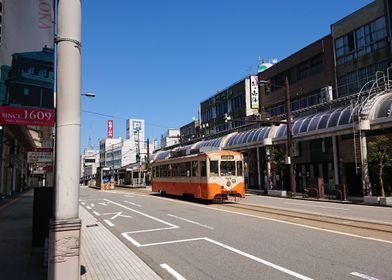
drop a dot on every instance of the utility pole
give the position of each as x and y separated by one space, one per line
289 162
64 232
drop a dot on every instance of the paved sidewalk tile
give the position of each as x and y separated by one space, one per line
104 256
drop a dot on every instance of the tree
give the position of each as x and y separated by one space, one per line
380 156
276 158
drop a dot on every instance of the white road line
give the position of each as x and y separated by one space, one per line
305 226
96 213
109 223
273 220
88 207
189 221
318 206
267 263
143 214
128 195
83 203
92 204
103 203
138 205
363 276
174 273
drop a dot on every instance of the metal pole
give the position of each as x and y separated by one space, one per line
289 139
335 160
64 235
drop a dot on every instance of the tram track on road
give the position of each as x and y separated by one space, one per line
338 224
363 228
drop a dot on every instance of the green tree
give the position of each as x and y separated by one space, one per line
380 156
276 158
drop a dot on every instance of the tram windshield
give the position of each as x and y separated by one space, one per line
227 168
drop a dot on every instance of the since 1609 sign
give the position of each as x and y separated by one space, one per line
26 116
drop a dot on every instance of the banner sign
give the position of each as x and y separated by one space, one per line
26 116
254 92
110 129
27 62
39 157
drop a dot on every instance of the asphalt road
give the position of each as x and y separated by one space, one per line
346 210
196 241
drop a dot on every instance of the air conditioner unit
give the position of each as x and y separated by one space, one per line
326 94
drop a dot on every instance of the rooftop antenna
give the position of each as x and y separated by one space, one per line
90 143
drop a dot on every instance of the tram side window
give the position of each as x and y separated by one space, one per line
155 171
194 169
164 170
175 170
227 168
239 168
214 168
203 168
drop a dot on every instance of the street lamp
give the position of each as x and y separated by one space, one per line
89 94
290 166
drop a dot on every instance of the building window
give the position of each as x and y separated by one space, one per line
364 40
353 82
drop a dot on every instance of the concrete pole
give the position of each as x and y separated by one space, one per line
335 160
258 167
268 185
364 163
64 233
289 161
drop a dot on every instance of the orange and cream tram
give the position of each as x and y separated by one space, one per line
217 175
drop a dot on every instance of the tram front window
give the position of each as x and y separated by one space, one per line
214 168
227 168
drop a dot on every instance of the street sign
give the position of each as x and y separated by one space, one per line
39 157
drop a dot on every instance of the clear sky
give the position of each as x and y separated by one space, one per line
157 60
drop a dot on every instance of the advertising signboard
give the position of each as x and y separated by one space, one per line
110 129
27 62
254 92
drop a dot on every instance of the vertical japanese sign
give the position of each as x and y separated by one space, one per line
110 129
27 62
254 92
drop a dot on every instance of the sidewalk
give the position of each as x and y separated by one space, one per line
17 261
102 255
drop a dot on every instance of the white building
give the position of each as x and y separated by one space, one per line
110 150
170 137
135 129
89 162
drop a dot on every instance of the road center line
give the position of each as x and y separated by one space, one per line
174 273
189 221
363 276
96 213
318 206
138 205
109 223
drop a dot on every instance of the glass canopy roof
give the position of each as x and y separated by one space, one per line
328 119
256 135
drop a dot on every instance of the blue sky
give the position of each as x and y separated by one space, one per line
157 60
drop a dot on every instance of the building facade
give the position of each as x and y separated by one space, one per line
170 137
238 101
